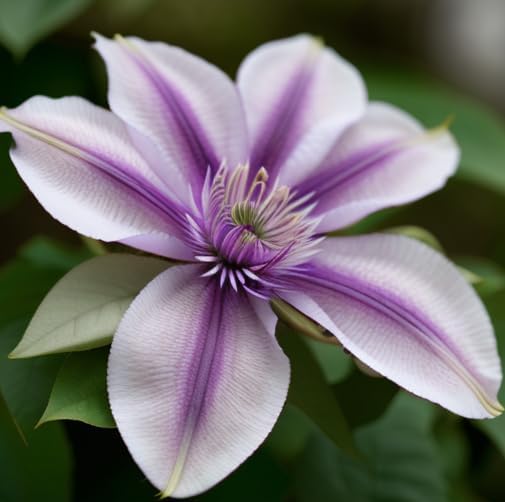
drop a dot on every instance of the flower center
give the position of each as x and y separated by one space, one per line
245 214
247 229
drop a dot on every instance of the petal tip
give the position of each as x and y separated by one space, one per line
443 127
318 41
4 116
496 409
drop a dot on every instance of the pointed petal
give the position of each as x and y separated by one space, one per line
79 162
196 380
190 108
298 97
405 311
386 159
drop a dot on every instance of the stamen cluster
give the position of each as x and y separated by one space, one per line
248 228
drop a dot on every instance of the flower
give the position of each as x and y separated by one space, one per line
240 183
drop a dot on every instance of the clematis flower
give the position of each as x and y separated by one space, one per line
240 182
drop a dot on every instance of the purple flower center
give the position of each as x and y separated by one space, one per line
244 230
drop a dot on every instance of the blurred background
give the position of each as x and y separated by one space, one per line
434 58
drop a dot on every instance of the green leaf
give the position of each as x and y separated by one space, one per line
25 385
24 22
47 253
375 395
309 391
402 461
84 308
453 446
22 287
40 470
8 421
23 284
290 434
80 390
479 130
333 361
335 364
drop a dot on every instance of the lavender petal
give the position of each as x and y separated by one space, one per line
199 391
406 312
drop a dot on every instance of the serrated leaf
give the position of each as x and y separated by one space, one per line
310 393
80 390
83 309
24 22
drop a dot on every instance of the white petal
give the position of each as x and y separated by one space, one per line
298 97
386 159
195 380
79 162
405 311
188 107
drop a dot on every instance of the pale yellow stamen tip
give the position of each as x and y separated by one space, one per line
441 128
262 175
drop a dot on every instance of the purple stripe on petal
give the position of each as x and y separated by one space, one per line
383 160
191 137
280 129
188 108
406 312
80 162
334 176
206 360
121 173
384 302
298 97
147 193
199 391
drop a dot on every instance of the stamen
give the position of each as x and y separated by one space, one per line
207 259
224 272
213 270
249 227
233 282
240 276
